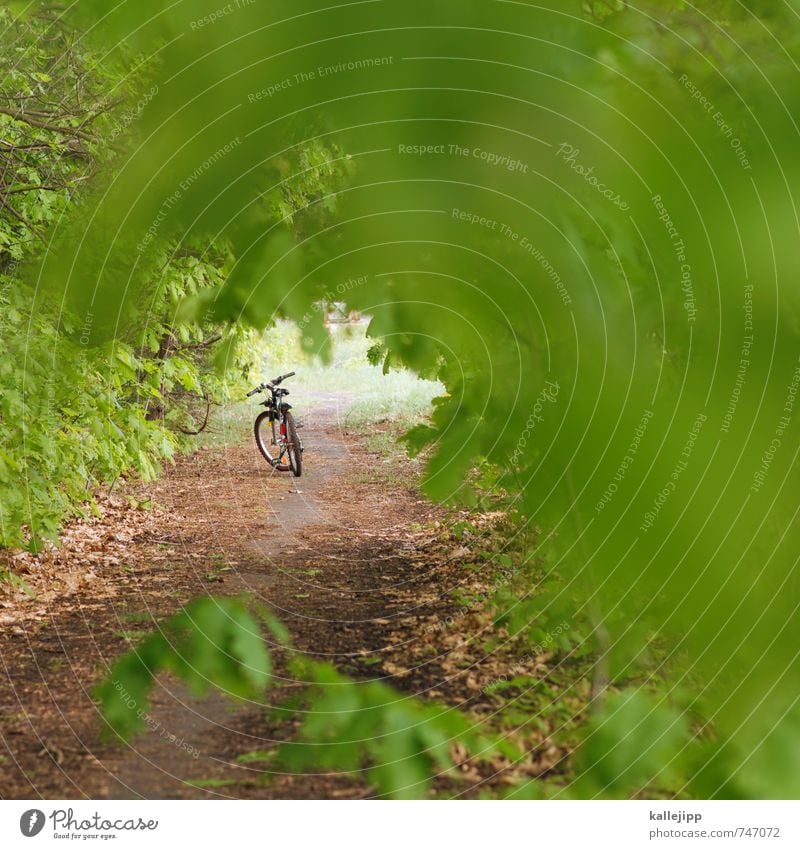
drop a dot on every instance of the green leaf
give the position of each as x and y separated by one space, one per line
631 742
213 642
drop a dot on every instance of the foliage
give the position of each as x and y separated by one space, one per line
583 225
400 741
633 742
54 117
216 642
82 404
376 354
63 428
211 642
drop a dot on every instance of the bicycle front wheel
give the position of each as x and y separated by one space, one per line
263 432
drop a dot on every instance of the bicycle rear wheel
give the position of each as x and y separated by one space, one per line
294 446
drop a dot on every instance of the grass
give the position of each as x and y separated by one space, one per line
229 425
131 636
136 616
383 442
211 782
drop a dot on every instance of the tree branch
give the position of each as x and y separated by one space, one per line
25 118
26 224
195 346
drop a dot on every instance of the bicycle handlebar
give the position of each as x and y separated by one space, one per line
273 382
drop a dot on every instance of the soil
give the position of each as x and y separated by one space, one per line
350 557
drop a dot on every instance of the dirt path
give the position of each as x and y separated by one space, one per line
346 557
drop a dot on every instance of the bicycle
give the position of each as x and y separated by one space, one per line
288 447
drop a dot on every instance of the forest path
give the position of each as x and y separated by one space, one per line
341 556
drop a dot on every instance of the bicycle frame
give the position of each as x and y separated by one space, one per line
278 410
